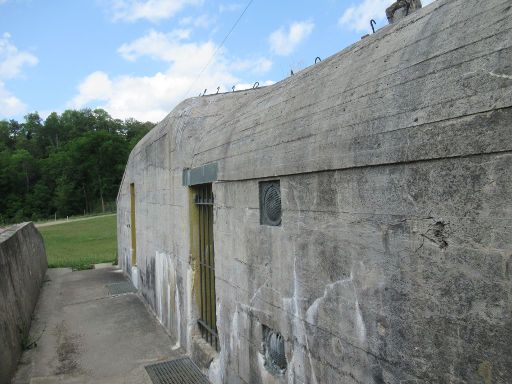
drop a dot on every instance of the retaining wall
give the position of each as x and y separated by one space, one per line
23 266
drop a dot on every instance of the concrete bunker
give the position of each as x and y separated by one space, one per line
387 261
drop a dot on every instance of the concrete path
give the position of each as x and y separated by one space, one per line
64 221
86 335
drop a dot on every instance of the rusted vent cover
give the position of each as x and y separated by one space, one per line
179 371
270 203
275 356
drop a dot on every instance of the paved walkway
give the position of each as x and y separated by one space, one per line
87 335
63 221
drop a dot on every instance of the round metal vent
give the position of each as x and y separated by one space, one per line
275 357
273 204
270 199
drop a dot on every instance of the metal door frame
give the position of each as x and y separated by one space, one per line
132 224
208 312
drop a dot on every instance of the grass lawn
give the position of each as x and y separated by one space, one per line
81 244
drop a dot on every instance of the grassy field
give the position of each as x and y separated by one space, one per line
81 244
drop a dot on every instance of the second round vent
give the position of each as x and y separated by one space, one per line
274 351
270 203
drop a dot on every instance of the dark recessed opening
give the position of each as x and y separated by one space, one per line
270 203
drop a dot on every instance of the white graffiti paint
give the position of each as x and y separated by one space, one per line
135 276
167 305
189 310
347 289
218 367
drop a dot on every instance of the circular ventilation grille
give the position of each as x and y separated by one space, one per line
275 352
272 204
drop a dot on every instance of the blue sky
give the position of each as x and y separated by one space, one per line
139 58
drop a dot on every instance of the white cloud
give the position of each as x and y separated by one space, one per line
10 105
152 97
170 47
96 86
11 59
257 66
284 42
186 57
152 10
244 86
12 62
202 21
146 98
357 17
233 7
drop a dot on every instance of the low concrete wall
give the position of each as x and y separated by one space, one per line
22 268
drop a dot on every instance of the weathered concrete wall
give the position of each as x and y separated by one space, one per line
393 261
22 268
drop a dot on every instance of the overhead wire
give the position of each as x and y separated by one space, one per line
219 46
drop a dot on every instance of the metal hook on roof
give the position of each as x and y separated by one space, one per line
218 89
204 93
256 85
233 88
372 23
318 59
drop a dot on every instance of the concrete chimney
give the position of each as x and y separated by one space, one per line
401 8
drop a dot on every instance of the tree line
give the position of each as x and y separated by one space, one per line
67 164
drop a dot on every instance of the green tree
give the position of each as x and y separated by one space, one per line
67 164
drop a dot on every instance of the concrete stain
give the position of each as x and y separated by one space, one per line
68 351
